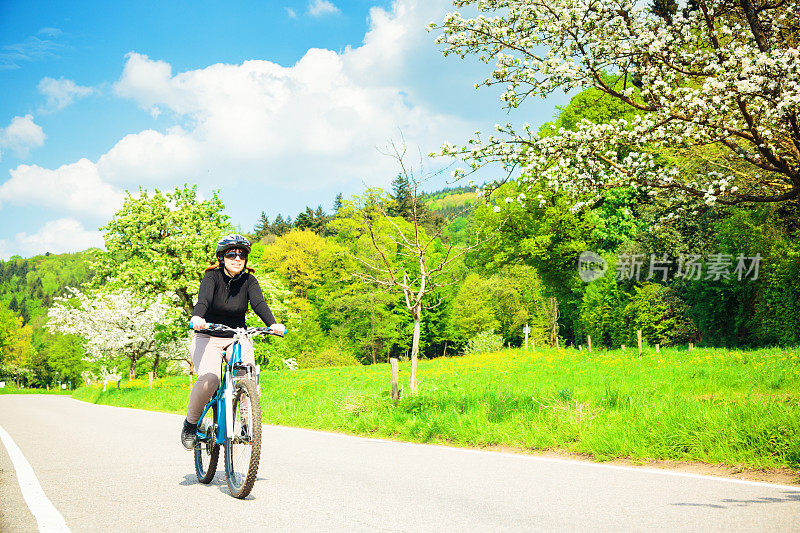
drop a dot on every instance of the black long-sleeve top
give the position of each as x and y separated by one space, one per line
223 300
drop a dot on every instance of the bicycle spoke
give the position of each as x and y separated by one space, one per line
243 447
206 452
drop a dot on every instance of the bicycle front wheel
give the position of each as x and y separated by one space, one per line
243 446
206 451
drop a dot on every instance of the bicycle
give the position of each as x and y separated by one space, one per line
232 419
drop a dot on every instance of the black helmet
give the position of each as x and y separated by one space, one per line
229 242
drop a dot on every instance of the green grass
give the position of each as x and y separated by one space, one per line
716 406
11 389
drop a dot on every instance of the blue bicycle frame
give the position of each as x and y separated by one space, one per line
223 399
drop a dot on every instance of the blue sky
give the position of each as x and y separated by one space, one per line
277 105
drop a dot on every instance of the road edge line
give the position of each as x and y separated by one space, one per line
47 516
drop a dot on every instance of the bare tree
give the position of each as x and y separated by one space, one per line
407 257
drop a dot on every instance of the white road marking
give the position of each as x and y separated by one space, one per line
47 516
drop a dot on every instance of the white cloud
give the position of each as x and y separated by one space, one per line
152 156
264 122
290 13
259 129
61 92
21 135
31 49
76 187
318 8
64 235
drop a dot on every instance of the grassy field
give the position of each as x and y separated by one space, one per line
717 406
11 389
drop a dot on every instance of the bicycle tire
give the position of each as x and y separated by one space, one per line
206 453
243 447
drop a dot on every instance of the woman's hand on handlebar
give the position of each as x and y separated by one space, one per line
279 329
199 323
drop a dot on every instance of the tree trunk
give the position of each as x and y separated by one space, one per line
132 373
553 322
155 364
186 300
372 325
416 312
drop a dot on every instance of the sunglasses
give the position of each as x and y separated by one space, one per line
233 254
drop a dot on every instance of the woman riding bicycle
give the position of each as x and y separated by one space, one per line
225 291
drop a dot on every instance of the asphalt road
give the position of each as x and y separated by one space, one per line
107 468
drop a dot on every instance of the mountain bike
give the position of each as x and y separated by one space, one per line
232 419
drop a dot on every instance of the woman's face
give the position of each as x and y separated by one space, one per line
234 260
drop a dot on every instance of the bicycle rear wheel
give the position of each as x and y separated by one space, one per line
243 447
206 451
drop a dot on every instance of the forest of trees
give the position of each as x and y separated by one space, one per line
683 251
501 285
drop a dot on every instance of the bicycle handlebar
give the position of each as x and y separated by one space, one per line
240 331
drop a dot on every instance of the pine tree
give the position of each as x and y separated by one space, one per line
401 205
305 220
320 221
281 226
262 227
337 204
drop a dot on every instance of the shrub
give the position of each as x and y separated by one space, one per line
661 315
327 356
483 342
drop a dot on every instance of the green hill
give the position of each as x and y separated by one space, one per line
451 203
28 286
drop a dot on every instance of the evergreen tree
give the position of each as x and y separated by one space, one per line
337 204
281 226
262 227
320 221
305 220
401 205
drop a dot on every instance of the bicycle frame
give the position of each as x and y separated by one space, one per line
223 398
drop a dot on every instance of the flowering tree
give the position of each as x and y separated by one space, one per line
718 74
118 323
161 243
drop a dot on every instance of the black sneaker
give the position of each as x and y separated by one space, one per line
188 435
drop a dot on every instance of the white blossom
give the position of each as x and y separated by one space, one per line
114 324
704 77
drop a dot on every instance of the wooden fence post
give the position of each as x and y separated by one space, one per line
527 330
639 340
150 379
589 337
580 347
395 379
658 348
691 345
533 345
623 347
